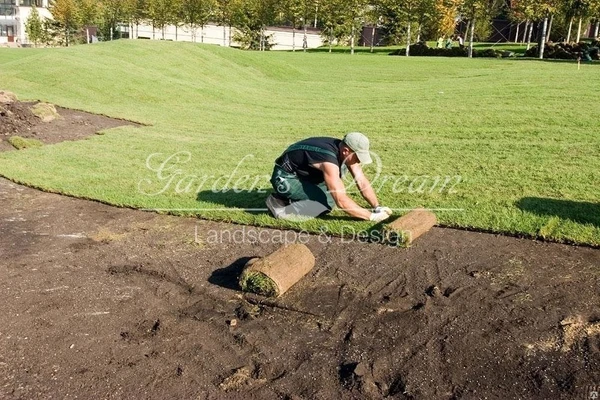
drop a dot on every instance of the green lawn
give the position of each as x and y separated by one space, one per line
522 135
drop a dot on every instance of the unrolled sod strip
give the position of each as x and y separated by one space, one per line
404 230
274 274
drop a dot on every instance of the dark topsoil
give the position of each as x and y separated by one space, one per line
102 302
16 119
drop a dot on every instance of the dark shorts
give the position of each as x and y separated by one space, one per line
290 187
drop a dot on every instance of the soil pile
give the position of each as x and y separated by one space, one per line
16 118
53 124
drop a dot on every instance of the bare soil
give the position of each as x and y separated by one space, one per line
16 119
102 302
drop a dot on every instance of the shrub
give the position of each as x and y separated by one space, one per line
567 51
421 49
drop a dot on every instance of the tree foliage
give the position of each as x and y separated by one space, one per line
340 21
34 27
66 14
196 14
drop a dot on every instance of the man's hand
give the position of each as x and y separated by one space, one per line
384 209
379 216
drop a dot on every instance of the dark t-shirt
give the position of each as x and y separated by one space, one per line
300 162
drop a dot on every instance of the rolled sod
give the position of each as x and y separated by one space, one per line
274 274
403 231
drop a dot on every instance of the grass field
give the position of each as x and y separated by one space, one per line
521 135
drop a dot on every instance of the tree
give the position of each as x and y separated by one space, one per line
542 10
579 9
88 15
293 11
196 14
526 9
595 13
65 14
354 17
332 17
446 15
252 19
228 13
137 12
374 16
111 13
516 15
407 13
479 11
34 27
160 15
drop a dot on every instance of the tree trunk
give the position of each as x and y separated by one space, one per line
542 43
419 33
153 34
224 36
305 39
294 38
229 35
201 34
466 35
570 29
176 32
471 39
549 28
517 33
162 30
529 35
408 39
330 39
352 41
66 36
596 28
373 32
87 34
316 15
525 31
579 29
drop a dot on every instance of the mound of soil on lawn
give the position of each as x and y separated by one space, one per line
17 119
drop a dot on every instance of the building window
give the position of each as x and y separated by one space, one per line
7 30
29 3
7 10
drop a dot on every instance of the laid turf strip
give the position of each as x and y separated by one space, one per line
498 145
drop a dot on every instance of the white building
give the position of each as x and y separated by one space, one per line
282 38
13 16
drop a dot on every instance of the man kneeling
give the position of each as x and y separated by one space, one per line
307 179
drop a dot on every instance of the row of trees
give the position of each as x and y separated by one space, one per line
340 21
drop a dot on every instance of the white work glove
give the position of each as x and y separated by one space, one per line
384 209
379 216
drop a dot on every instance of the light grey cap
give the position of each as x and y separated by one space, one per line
359 144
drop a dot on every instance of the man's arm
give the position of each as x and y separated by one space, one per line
331 173
366 190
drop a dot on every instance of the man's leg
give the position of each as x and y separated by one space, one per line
302 194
